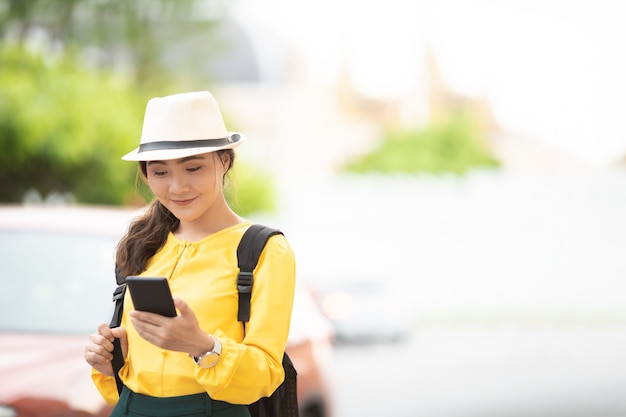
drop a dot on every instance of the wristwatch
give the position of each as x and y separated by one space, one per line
211 358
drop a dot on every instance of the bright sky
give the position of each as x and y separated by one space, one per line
552 69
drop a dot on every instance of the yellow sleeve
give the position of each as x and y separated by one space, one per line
106 386
253 369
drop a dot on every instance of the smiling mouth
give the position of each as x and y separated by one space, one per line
183 202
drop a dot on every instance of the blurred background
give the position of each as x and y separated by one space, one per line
450 173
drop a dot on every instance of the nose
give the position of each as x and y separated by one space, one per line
178 184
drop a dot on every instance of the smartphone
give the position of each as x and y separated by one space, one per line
151 294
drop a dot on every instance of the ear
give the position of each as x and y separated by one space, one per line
225 159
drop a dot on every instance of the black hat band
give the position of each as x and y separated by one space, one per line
184 144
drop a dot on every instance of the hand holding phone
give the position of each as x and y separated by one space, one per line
151 294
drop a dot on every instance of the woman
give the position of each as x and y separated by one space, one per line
199 362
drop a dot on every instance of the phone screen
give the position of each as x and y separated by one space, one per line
151 294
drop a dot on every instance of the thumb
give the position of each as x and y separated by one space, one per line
120 333
185 311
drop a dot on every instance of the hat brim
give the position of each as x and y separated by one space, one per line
183 152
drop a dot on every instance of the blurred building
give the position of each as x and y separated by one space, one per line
263 85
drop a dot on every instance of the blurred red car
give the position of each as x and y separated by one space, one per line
57 275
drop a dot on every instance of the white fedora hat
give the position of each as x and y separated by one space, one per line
182 125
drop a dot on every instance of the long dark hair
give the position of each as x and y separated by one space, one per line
147 234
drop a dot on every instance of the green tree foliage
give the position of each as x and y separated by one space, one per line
454 144
251 189
133 35
63 129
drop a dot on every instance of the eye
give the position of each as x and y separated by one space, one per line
194 169
157 173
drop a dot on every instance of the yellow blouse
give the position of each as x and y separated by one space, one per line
204 275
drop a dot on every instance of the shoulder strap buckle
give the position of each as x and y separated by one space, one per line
118 294
244 282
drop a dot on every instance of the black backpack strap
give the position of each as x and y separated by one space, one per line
248 252
116 321
284 400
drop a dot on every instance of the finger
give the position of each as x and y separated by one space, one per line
98 362
105 331
123 336
186 312
119 332
146 317
146 329
95 353
98 340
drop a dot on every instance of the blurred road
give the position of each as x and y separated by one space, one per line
486 372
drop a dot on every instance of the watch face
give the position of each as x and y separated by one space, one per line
208 360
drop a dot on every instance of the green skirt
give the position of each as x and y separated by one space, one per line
132 404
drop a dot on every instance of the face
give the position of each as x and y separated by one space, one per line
189 187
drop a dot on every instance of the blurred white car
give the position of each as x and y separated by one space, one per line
369 310
57 283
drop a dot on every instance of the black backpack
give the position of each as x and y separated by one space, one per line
284 401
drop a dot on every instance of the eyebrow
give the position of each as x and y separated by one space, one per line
181 161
